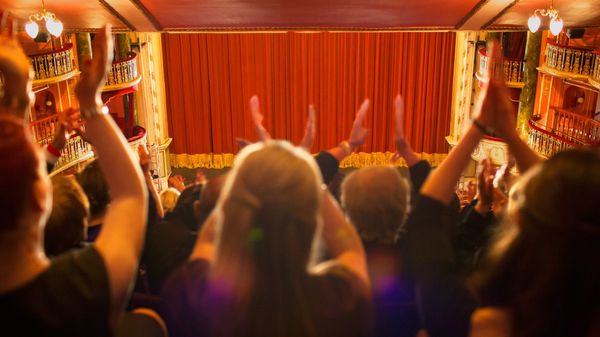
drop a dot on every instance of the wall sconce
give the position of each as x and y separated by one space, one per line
556 23
52 25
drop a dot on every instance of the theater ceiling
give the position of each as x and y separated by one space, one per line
203 15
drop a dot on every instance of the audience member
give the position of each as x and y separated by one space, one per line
248 272
168 199
91 179
376 200
66 227
81 292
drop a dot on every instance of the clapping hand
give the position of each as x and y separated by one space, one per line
94 71
257 118
495 107
359 133
309 132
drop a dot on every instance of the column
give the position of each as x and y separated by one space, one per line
530 76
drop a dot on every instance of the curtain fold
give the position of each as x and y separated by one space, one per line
210 78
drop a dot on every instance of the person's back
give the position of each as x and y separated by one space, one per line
256 281
376 200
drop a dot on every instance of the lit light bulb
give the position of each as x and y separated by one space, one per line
32 29
534 23
556 25
54 27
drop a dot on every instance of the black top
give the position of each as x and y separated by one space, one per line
328 166
168 245
472 236
444 302
392 291
337 302
70 298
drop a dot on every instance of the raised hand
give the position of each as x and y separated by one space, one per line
18 74
496 108
403 148
70 119
145 158
93 71
400 138
309 132
177 181
358 135
257 118
485 186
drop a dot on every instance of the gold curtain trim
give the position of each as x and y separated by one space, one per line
355 160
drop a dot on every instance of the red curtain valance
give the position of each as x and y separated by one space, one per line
210 78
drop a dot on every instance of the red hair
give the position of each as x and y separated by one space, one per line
18 170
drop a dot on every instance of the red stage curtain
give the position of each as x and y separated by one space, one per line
210 78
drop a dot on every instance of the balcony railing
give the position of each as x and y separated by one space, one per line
76 149
546 142
576 128
569 59
54 64
123 73
596 72
513 67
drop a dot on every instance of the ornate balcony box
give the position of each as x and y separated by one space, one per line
54 66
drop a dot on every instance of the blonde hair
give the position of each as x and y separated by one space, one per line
168 199
269 209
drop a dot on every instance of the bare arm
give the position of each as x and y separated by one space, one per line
524 155
358 135
343 242
120 240
503 123
403 148
441 183
309 132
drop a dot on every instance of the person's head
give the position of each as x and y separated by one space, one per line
545 271
269 209
25 191
376 200
168 199
184 210
93 184
67 226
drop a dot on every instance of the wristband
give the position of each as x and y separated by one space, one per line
345 145
88 113
488 131
53 151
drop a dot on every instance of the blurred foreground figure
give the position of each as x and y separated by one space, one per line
252 271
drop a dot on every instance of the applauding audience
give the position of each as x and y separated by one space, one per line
242 254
